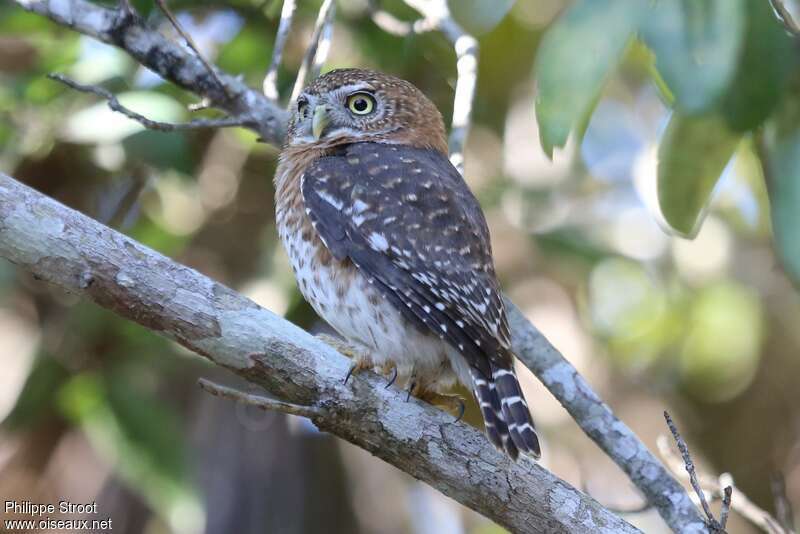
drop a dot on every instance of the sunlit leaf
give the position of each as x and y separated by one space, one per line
782 171
574 59
99 124
480 16
693 153
697 44
766 61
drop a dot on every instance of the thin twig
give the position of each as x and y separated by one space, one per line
783 506
117 214
265 403
690 469
785 17
162 5
318 48
726 506
114 104
270 86
436 15
712 487
393 25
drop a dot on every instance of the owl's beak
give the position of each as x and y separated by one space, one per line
319 121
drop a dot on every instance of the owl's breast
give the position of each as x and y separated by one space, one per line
336 290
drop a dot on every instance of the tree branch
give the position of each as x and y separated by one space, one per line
785 17
318 48
80 255
599 423
270 85
114 104
126 30
436 16
713 487
212 320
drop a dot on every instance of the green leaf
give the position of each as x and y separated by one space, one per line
782 171
574 59
693 153
767 59
480 16
163 150
697 45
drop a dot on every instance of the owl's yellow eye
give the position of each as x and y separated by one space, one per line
361 103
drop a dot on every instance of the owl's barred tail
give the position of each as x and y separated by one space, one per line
492 411
515 411
505 413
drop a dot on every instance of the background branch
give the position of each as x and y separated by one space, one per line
115 105
712 487
270 86
436 15
173 62
80 255
318 48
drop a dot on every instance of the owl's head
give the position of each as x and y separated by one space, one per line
353 105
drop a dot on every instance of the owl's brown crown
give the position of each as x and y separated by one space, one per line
402 115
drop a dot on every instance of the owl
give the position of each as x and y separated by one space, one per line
391 248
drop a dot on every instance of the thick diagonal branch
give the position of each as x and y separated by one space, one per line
80 255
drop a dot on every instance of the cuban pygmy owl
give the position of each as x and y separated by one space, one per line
391 248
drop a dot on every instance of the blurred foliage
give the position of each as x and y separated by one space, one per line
721 65
679 112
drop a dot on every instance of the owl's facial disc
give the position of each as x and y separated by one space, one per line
342 114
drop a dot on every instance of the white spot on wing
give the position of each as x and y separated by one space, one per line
378 242
359 206
330 199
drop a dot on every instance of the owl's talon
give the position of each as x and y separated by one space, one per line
341 346
452 404
361 359
349 373
391 380
410 390
462 407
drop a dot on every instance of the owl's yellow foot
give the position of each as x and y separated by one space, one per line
361 359
341 346
452 404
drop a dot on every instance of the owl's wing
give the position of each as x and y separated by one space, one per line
408 221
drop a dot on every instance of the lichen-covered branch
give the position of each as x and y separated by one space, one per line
78 254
